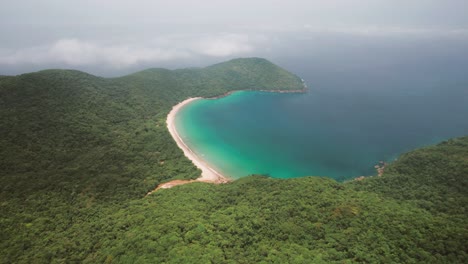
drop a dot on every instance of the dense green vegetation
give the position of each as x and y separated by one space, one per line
70 126
78 153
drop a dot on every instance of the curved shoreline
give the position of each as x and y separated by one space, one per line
208 173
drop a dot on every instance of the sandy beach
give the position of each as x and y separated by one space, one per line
208 173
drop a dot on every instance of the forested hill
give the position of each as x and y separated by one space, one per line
236 74
66 130
78 153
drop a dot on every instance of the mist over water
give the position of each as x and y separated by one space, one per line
366 108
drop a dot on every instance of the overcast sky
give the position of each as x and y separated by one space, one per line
119 35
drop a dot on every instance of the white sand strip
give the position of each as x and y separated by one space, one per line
208 173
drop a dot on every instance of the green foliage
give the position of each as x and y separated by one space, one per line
433 178
69 126
78 153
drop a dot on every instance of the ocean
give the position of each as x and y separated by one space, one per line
350 119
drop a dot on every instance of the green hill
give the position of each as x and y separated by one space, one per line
62 125
78 153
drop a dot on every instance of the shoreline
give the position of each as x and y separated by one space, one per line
209 174
304 90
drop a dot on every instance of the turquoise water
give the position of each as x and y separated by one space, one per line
335 132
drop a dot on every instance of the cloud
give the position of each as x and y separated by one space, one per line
389 31
224 45
76 52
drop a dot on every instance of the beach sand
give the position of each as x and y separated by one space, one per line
209 174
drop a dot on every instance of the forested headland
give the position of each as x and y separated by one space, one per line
79 152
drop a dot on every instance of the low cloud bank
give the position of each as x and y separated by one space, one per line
78 52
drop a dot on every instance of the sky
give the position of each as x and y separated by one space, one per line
112 37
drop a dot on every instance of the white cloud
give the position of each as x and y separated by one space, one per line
76 52
224 45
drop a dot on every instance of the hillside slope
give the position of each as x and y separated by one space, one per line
260 219
79 152
64 125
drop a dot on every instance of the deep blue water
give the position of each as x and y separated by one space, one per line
353 116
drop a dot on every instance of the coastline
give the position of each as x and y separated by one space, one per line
304 90
208 173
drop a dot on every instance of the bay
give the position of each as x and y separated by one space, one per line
337 129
